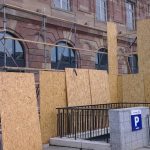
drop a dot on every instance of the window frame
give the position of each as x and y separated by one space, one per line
72 63
105 9
127 2
9 61
148 9
61 5
134 68
101 52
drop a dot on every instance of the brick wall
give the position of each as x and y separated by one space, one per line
28 26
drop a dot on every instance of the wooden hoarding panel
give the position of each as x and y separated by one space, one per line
78 87
20 121
99 87
52 95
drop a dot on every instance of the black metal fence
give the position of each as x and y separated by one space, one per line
88 122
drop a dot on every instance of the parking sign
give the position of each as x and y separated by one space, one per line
136 120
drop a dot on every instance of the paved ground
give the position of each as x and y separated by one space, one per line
144 149
58 148
64 148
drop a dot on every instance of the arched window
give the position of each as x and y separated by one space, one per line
102 59
133 63
63 57
14 52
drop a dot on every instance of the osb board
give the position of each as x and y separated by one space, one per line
113 81
133 88
112 47
120 90
147 87
143 45
78 87
52 95
99 87
20 121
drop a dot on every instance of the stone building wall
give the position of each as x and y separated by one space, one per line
28 26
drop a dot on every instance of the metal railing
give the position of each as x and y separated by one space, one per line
88 122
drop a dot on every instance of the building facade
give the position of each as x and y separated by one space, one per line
79 27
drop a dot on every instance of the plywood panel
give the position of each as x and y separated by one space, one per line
113 82
20 121
120 90
113 60
99 87
112 47
133 88
143 45
52 95
147 87
78 87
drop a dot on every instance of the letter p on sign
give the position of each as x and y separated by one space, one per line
136 120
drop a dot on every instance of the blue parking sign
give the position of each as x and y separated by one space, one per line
136 120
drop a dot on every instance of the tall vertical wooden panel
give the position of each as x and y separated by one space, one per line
143 45
20 121
52 96
78 87
99 87
113 60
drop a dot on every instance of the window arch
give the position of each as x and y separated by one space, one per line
63 57
133 63
102 59
14 52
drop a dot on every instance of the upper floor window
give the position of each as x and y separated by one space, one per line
101 10
62 4
130 15
14 52
102 59
133 63
63 57
148 9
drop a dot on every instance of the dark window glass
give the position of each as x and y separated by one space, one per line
133 63
14 52
102 59
62 57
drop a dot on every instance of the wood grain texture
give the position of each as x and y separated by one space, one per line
133 88
20 121
120 89
113 83
147 87
113 60
52 95
78 87
112 47
99 87
143 45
